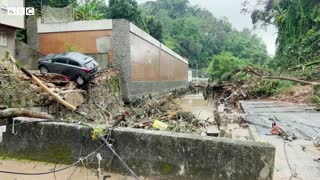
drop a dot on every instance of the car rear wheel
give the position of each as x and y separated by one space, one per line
80 80
44 70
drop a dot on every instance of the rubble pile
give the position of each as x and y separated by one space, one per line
15 93
18 91
164 114
228 92
101 100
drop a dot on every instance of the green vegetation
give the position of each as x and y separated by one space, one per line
224 65
91 10
72 48
298 23
197 35
189 30
297 55
97 133
266 88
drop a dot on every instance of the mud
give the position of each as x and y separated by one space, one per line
80 173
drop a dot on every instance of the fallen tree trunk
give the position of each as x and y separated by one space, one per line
291 79
43 86
17 112
260 74
303 66
46 89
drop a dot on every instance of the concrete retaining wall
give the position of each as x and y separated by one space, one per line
146 65
154 154
102 59
27 56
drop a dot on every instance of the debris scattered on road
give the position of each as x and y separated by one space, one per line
316 141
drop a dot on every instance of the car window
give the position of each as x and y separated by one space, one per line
74 63
90 64
61 60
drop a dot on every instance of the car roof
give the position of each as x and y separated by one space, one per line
75 56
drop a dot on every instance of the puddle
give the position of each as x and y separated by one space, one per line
197 105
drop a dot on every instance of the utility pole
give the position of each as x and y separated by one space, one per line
197 70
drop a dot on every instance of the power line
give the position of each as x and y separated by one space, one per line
118 156
39 173
56 170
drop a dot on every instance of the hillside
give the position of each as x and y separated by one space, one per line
197 35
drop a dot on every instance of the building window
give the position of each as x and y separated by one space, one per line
3 39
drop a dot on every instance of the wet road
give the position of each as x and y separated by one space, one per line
197 105
292 158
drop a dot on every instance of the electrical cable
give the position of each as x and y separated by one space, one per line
39 173
287 159
54 171
118 156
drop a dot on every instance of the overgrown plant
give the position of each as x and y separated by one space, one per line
298 24
224 66
90 10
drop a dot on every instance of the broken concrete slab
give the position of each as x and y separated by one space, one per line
221 108
149 153
212 131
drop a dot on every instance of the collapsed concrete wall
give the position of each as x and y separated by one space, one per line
154 154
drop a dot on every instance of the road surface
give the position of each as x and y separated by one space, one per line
294 159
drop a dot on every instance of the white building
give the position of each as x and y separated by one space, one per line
9 24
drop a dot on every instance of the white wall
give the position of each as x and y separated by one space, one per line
12 20
75 26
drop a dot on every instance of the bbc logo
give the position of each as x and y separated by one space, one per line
21 11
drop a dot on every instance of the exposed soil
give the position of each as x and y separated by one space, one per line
296 94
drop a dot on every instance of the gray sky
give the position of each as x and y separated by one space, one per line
231 10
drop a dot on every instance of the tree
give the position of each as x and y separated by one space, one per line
298 27
196 34
154 27
223 66
245 45
90 10
126 9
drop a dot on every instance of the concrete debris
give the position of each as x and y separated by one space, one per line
104 92
316 141
212 131
227 94
162 113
